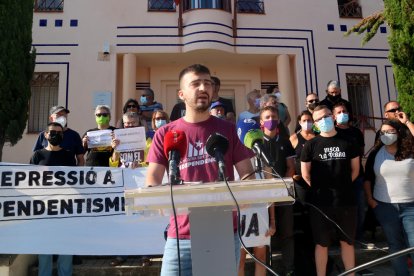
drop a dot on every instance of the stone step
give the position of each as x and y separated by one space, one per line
100 265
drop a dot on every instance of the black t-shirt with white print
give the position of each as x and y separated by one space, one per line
331 176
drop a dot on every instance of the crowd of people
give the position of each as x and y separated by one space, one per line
323 156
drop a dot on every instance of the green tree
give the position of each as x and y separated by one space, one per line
17 61
399 15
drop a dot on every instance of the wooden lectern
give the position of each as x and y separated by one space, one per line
210 207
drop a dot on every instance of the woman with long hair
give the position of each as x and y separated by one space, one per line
389 188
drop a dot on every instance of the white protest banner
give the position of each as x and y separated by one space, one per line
80 210
130 138
254 225
99 138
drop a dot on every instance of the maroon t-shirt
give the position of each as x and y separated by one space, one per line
198 165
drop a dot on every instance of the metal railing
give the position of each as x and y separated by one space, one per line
48 5
246 6
161 5
224 5
351 10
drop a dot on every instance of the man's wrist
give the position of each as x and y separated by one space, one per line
407 122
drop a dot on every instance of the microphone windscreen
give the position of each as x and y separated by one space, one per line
217 142
246 126
175 140
253 136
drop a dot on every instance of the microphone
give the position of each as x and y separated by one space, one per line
217 145
175 147
250 134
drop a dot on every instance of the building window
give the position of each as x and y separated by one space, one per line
250 6
48 5
206 4
359 94
161 5
349 9
45 90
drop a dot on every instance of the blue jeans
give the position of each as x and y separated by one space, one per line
170 259
397 221
64 265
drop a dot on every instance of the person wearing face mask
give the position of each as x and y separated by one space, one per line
218 110
54 155
253 100
281 151
311 101
271 100
389 189
98 157
284 114
355 136
71 139
329 165
148 105
304 254
333 96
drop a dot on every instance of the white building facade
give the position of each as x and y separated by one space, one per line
104 51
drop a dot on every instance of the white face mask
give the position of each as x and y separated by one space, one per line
306 125
389 138
278 95
61 120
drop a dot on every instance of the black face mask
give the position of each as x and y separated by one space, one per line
312 106
55 139
334 98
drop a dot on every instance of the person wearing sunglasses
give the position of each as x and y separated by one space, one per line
131 105
389 189
311 101
54 155
98 157
394 111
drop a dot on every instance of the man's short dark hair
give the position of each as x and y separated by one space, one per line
340 104
54 124
149 91
216 80
269 108
270 89
387 103
195 68
320 107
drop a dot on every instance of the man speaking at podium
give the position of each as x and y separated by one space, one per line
196 90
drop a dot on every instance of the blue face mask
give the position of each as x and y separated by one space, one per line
342 118
160 123
143 100
326 124
257 103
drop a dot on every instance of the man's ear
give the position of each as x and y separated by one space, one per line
180 94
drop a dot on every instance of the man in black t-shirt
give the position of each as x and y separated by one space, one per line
54 155
282 153
329 165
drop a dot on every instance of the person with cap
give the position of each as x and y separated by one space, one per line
99 156
71 139
148 105
333 97
218 110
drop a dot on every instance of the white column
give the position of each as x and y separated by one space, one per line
129 77
286 87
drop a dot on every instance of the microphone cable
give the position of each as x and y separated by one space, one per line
239 227
176 228
329 219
